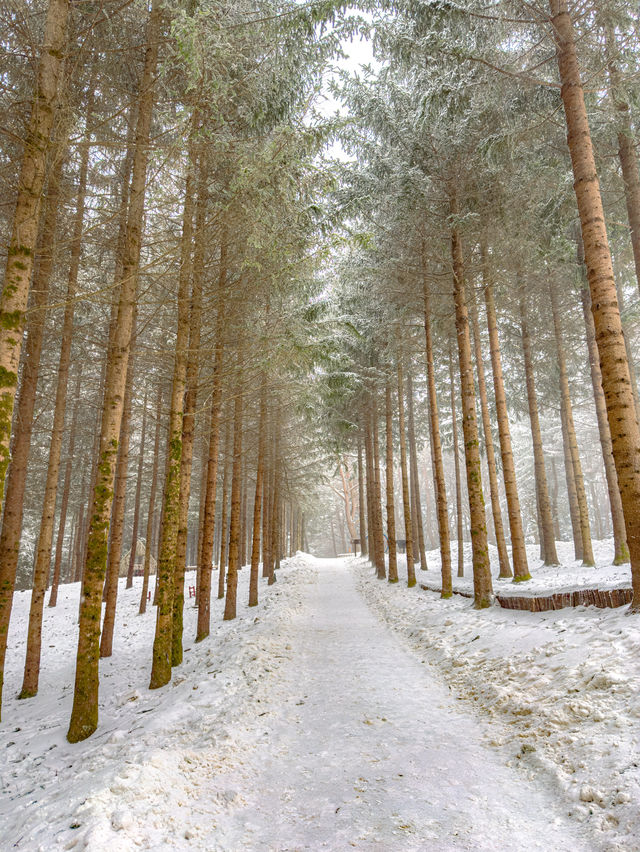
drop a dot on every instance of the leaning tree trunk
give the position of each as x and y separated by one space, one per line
482 586
391 516
616 382
436 446
542 489
503 556
406 501
518 549
84 714
570 432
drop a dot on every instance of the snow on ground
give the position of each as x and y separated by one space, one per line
152 749
545 580
318 722
562 688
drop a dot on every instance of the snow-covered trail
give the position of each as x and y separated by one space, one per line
360 745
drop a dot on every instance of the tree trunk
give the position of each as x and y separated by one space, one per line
224 517
259 494
377 491
117 521
148 542
206 556
482 586
406 502
518 549
572 494
615 502
456 462
234 524
570 431
24 229
84 715
616 382
136 508
368 451
66 489
416 512
503 556
362 523
274 521
440 487
391 518
542 490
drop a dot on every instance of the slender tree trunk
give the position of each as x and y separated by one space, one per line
274 522
84 715
416 512
368 450
406 502
224 517
572 494
542 490
554 497
456 462
148 542
377 491
518 549
439 482
503 556
206 556
616 382
391 518
259 493
136 508
234 523
24 228
117 521
583 513
482 586
66 488
362 523
615 502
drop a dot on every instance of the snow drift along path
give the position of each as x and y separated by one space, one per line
338 760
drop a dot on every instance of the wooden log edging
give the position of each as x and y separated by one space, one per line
601 598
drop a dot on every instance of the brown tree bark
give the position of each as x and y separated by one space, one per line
24 228
542 490
518 549
406 501
570 433
368 451
136 506
440 487
148 542
362 509
391 516
416 505
227 473
482 585
117 520
503 556
66 489
259 494
616 382
230 604
206 555
572 494
84 714
381 568
456 463
615 502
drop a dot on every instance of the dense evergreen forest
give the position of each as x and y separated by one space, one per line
237 324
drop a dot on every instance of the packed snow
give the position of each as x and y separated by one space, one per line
343 712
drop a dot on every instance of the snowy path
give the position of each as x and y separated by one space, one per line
359 745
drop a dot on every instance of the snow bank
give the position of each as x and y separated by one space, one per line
126 787
562 687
